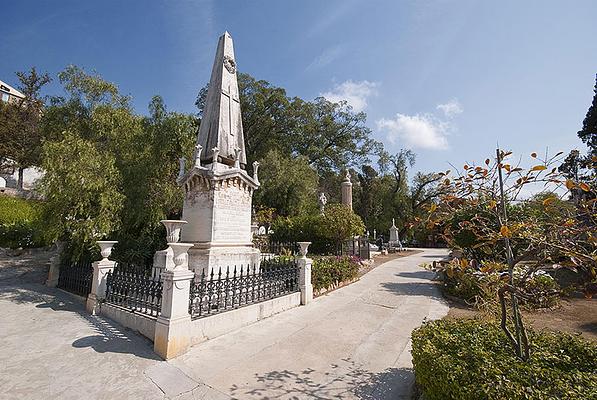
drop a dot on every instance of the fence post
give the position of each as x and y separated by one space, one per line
54 271
304 264
172 329
98 281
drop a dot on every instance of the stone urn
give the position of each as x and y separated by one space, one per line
304 248
106 248
180 255
173 227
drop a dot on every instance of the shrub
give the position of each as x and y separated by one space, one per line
470 359
477 284
21 223
328 272
325 232
303 228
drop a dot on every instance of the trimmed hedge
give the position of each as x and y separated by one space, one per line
21 223
472 360
328 272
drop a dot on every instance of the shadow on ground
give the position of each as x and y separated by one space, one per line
109 336
427 289
422 274
589 327
345 380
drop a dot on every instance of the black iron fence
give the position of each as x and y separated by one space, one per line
76 278
131 287
358 247
237 287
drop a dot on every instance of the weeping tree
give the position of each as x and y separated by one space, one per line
551 237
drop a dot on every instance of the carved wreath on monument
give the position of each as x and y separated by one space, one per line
229 64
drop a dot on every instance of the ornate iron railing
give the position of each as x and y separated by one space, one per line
238 287
76 278
130 287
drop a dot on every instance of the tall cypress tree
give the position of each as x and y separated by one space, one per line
588 133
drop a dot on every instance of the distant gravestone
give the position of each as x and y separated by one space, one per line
394 239
2 182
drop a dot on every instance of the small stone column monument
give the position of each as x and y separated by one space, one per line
305 264
100 274
347 190
394 239
218 189
172 327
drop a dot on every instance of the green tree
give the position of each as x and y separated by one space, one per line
340 223
144 152
588 132
580 167
330 135
288 184
81 187
20 134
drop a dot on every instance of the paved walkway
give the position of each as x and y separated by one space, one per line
352 343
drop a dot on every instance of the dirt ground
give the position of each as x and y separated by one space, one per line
574 315
29 265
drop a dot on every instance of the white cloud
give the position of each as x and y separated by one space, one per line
417 131
355 93
451 108
327 57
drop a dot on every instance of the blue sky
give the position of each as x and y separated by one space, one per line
446 78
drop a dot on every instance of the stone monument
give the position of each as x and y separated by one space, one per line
218 189
347 190
394 239
322 202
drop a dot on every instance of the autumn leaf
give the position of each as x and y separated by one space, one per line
570 184
584 187
534 155
538 168
487 161
433 208
548 201
507 167
465 166
505 231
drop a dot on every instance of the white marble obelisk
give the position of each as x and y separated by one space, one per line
218 190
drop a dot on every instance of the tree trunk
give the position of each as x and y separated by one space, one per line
20 178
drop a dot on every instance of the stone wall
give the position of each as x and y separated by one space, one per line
206 328
143 324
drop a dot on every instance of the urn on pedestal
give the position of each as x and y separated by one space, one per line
106 248
173 227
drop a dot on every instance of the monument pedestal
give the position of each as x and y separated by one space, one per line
217 206
204 257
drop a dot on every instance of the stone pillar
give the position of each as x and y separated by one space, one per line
172 329
347 190
304 264
54 271
100 272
